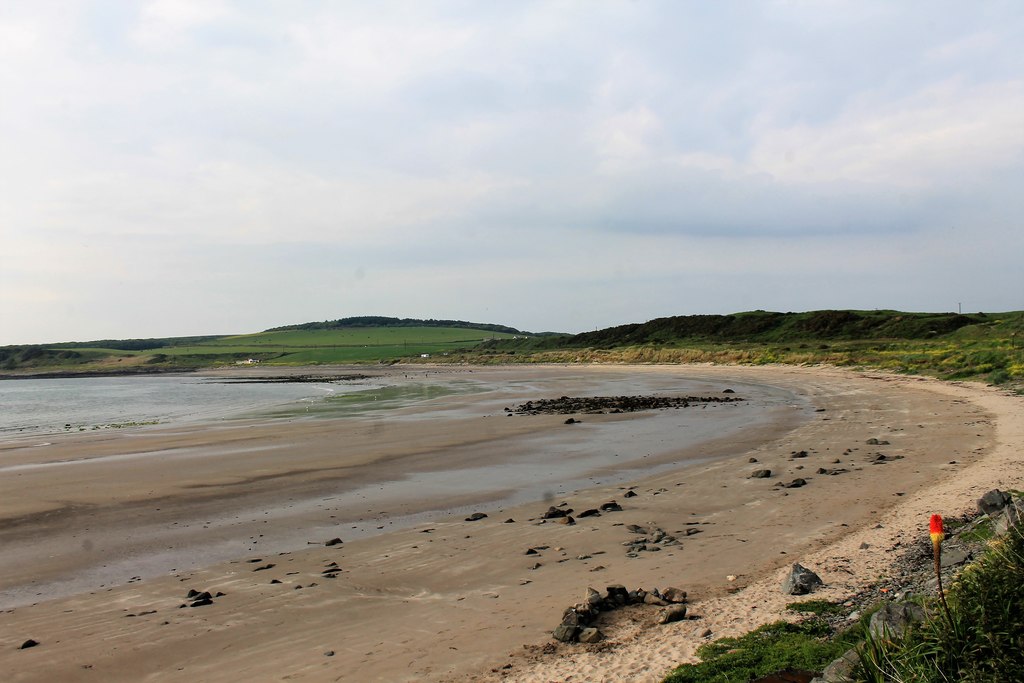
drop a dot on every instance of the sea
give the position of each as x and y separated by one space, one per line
47 406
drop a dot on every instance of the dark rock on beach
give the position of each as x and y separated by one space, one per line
801 581
993 501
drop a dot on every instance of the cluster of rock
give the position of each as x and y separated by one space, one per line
650 540
200 599
563 515
612 404
579 621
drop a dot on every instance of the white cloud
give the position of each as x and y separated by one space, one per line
939 133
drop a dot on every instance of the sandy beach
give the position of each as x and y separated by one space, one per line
101 550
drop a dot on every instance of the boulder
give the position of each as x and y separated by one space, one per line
674 595
592 512
894 618
672 613
796 483
841 670
333 541
801 581
652 599
618 594
590 635
611 506
993 501
28 643
554 513
760 474
1009 518
476 516
565 633
629 494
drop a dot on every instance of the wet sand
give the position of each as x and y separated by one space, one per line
441 598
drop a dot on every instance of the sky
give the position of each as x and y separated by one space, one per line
174 168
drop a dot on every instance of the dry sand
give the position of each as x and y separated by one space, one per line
457 600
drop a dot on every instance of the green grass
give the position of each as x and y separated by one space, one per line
819 607
808 646
984 640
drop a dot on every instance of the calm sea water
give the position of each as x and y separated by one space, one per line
88 403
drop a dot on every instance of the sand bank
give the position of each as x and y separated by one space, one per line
458 600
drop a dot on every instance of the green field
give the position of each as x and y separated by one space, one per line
281 347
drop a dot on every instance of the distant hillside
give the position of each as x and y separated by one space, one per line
382 321
768 327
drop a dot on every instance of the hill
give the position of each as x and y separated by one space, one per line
948 345
349 340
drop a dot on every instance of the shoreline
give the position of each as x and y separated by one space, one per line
128 496
476 582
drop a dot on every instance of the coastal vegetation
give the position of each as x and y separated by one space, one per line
980 639
977 346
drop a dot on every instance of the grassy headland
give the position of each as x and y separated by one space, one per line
982 346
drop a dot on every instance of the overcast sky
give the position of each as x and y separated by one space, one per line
176 168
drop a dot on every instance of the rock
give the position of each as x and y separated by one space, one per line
553 513
728 391
954 556
752 460
618 594
566 520
28 643
894 618
841 670
877 442
611 506
760 474
801 581
674 595
509 521
333 541
591 635
476 516
634 529
202 602
329 653
592 512
796 483
629 494
993 501
571 617
672 613
1009 518
652 599
565 633
570 421
799 454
